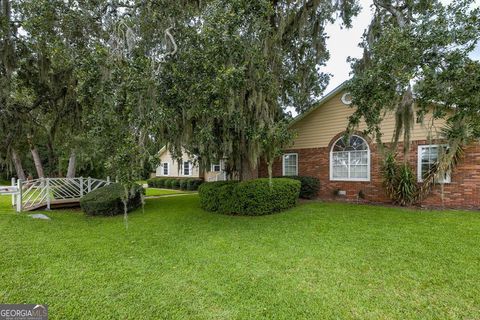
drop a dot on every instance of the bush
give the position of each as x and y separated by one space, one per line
309 186
193 184
107 201
183 184
156 182
209 194
252 197
167 183
175 183
399 181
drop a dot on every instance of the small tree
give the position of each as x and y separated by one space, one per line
274 139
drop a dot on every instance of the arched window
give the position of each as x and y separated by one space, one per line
350 160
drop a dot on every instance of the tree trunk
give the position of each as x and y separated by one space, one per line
71 165
270 170
51 157
248 171
18 165
38 162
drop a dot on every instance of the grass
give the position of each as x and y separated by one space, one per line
162 192
175 261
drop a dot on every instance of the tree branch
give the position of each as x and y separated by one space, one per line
395 11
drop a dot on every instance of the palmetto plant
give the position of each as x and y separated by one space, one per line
399 181
389 174
406 190
457 134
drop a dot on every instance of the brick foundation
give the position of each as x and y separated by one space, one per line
462 192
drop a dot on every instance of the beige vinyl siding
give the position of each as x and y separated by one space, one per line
318 128
175 166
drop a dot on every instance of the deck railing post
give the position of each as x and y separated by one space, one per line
19 195
81 187
47 190
89 184
14 185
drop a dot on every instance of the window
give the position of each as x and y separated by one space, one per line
165 168
350 160
187 168
290 164
216 167
427 157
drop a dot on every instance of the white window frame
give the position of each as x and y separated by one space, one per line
367 179
189 168
216 165
163 169
296 163
448 177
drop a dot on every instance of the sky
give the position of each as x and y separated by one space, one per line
343 43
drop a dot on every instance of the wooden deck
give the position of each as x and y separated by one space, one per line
54 204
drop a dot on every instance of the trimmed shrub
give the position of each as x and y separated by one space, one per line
107 201
156 182
183 184
193 184
209 194
252 197
175 183
167 183
309 186
257 197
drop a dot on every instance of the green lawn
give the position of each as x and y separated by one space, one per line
162 192
317 261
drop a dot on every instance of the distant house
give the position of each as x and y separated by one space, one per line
187 167
351 170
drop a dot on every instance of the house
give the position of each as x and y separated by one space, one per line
351 171
187 167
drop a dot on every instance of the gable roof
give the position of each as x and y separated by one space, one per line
324 99
162 150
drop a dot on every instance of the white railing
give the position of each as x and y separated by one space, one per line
221 176
32 194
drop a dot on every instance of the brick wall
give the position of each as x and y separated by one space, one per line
462 192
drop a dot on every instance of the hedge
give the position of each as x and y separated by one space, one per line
309 186
210 194
107 201
175 183
253 197
183 184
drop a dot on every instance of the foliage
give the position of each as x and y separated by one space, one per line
252 197
156 182
183 184
210 199
240 63
406 190
108 200
111 81
417 48
194 184
389 173
416 62
175 183
399 181
310 186
274 140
